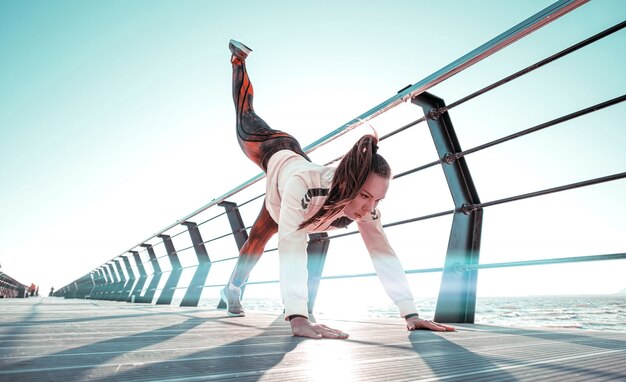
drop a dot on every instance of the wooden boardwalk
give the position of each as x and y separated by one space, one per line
54 339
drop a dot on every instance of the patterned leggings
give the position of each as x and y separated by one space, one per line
259 142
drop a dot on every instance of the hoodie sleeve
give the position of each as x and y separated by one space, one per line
386 263
292 249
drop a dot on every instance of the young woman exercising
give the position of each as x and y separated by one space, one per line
303 197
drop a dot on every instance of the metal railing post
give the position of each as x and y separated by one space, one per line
194 291
134 295
316 257
156 275
172 281
85 286
77 288
94 283
100 285
457 295
91 285
112 287
106 281
69 292
236 222
79 284
128 287
239 233
119 288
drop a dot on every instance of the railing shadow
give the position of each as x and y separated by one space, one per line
448 359
78 364
559 336
20 326
246 359
29 320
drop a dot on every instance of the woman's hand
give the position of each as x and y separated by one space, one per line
302 327
416 323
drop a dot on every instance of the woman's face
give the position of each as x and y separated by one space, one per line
373 191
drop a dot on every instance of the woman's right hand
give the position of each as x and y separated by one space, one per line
302 327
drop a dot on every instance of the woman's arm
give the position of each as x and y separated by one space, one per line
391 274
292 250
293 265
387 265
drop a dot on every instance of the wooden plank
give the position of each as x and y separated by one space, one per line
54 339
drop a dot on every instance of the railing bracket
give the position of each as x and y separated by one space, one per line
450 158
459 268
468 209
435 113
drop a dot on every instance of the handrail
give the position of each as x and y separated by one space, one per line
466 268
411 92
10 287
499 42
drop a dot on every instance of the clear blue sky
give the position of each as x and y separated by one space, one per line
116 120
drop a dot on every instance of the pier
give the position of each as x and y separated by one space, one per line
56 339
141 316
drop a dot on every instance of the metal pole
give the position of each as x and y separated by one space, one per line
194 291
156 275
100 284
316 257
113 281
239 233
135 294
128 287
172 281
457 294
119 295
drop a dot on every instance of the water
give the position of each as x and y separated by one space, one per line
590 312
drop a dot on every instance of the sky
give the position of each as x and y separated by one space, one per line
116 120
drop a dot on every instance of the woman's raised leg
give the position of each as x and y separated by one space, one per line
256 138
259 142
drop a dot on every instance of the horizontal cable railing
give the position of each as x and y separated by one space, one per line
524 28
10 288
560 260
100 283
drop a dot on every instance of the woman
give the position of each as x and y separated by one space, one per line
302 197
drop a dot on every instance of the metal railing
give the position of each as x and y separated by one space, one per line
10 288
457 295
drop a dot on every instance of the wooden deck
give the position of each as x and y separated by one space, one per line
54 339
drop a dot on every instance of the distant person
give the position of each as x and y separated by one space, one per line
31 289
303 197
51 291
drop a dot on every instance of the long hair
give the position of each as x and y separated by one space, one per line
350 176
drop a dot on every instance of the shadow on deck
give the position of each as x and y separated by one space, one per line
54 339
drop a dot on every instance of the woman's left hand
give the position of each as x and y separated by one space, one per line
416 323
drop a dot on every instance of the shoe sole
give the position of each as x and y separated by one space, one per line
246 50
223 295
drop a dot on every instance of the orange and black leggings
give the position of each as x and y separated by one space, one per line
259 142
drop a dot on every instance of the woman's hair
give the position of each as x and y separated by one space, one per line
350 176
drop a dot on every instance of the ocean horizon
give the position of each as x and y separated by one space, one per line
588 312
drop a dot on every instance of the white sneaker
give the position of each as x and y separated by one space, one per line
239 50
232 298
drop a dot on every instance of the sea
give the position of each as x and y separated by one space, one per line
587 312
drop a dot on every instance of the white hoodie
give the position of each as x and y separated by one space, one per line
296 190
